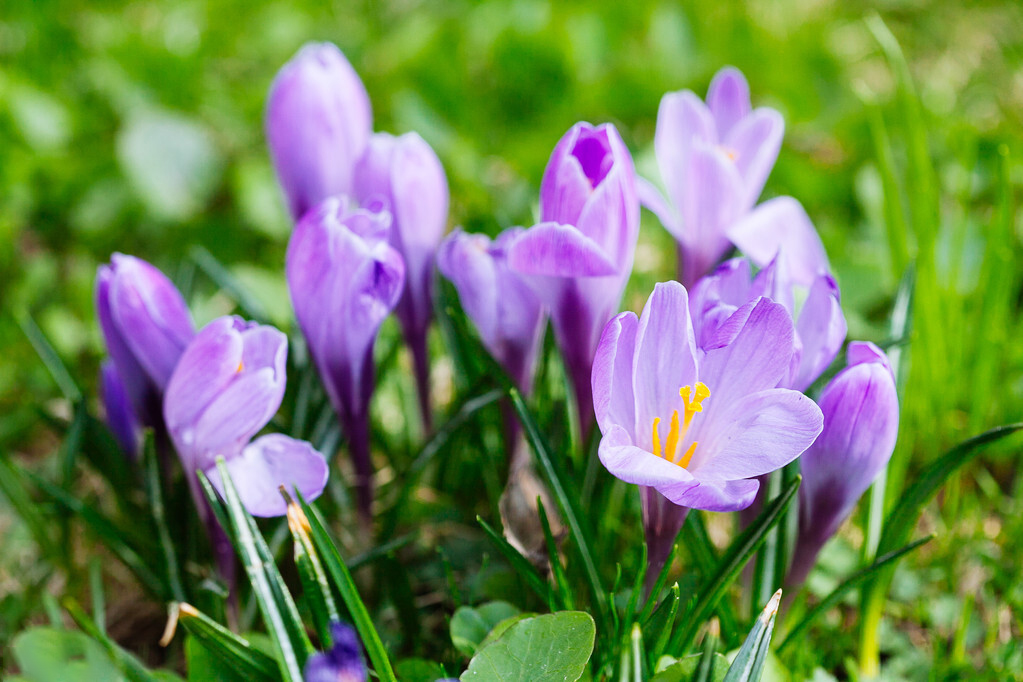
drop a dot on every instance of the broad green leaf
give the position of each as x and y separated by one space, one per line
550 648
419 670
684 670
46 654
471 625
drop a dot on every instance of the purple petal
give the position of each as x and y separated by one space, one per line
318 121
635 465
755 142
755 435
682 119
728 99
121 419
566 187
720 496
709 204
465 260
863 351
821 329
781 228
614 401
269 462
555 250
665 358
651 198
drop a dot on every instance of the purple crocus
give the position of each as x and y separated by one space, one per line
226 387
819 325
861 424
714 159
342 663
318 122
121 419
146 326
696 426
504 308
405 173
345 278
579 257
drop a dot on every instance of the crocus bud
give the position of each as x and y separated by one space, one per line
714 159
226 387
504 308
146 326
819 322
861 424
579 258
121 419
318 121
343 663
345 278
405 173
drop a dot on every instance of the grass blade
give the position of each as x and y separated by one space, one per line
748 664
310 570
342 581
520 565
129 666
235 651
49 356
154 493
223 278
731 564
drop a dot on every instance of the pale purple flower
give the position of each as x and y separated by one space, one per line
121 419
819 323
342 663
345 279
146 326
714 159
697 425
228 384
861 425
504 308
405 173
579 258
318 122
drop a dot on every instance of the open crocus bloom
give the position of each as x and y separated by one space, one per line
698 424
226 387
820 326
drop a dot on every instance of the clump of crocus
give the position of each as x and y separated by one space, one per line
405 174
502 305
228 384
342 663
578 259
344 279
820 326
714 159
861 425
318 122
696 426
146 326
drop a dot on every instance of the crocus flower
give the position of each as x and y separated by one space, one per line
345 278
861 424
405 173
318 122
819 325
226 387
579 257
696 426
714 159
124 425
343 663
504 308
146 326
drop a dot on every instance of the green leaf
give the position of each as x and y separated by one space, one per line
685 670
232 652
154 492
550 648
471 625
318 596
45 654
737 555
49 357
903 516
130 667
419 670
519 564
849 583
748 664
343 583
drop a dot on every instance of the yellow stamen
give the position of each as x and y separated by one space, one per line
688 456
241 366
672 444
657 438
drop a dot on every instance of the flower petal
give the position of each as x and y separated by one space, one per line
651 198
780 227
755 141
268 463
728 98
720 496
682 119
557 250
634 465
821 329
613 398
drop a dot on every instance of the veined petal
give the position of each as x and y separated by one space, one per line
682 119
755 142
634 465
821 329
719 496
465 260
728 98
269 462
557 250
613 398
780 227
651 198
709 204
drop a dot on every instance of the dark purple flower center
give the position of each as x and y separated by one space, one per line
593 151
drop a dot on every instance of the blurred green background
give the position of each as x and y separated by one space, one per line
137 127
